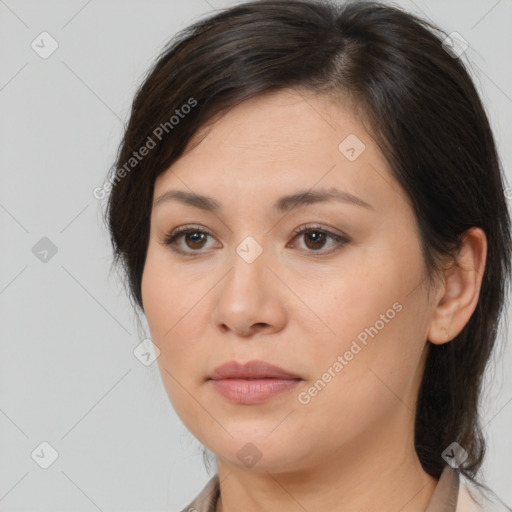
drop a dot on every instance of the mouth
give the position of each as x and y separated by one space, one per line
252 383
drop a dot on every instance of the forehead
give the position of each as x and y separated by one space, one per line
278 142
284 123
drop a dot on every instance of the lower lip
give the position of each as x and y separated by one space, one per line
253 391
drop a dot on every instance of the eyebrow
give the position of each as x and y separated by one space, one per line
283 204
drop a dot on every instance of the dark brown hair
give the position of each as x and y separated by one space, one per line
424 113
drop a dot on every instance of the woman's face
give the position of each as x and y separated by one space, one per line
348 316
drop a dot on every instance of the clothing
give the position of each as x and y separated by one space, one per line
453 493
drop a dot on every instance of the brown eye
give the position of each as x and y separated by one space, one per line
315 239
195 239
190 240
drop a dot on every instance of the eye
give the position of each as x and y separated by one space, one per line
195 239
315 238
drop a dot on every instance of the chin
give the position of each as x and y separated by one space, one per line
257 453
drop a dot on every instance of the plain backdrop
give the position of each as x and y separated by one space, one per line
68 375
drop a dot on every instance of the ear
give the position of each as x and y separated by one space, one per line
458 294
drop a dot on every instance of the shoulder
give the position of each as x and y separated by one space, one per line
473 498
206 500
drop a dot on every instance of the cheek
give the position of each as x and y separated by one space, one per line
162 294
358 384
372 320
350 300
171 331
157 302
367 292
175 315
163 310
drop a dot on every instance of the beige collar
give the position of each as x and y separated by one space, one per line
449 496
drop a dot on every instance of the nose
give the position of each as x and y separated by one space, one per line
250 298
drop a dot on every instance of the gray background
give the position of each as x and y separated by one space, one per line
68 375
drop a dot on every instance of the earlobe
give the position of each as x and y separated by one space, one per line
459 292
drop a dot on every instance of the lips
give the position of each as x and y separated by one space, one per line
252 383
251 370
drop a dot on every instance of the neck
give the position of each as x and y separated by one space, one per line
380 473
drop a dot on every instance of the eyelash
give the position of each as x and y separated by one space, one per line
171 238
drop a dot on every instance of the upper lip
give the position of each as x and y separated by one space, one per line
250 370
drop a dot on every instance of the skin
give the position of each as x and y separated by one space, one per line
351 447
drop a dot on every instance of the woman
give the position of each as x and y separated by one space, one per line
310 211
